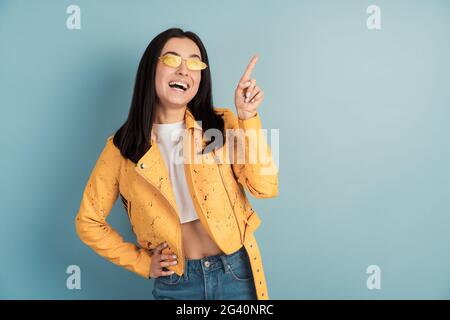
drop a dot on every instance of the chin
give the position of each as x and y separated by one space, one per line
179 100
177 103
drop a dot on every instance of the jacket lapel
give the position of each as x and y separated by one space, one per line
152 168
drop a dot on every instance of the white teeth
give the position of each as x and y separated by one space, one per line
184 85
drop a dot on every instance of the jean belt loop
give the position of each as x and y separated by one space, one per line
185 273
224 262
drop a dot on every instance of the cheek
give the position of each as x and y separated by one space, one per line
197 80
160 81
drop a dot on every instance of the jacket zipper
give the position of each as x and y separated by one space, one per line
219 165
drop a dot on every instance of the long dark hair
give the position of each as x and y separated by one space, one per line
133 137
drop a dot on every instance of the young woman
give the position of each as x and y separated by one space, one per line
192 220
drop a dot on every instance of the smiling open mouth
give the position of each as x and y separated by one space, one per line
178 86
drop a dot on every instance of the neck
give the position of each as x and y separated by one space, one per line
169 115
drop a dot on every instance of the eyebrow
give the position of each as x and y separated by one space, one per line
192 55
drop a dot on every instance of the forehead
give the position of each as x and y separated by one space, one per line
185 47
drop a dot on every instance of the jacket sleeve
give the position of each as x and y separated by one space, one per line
99 196
258 173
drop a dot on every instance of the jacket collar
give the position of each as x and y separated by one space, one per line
190 120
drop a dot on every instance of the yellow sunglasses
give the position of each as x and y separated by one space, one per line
174 61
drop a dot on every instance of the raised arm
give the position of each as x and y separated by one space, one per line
258 173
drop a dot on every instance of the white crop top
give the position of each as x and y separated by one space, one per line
169 140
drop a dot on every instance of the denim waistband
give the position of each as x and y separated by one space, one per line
214 262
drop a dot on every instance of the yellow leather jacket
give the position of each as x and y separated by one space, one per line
217 189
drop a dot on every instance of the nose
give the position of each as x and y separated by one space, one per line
182 69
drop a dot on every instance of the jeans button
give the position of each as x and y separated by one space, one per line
207 263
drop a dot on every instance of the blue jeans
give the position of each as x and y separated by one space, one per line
217 277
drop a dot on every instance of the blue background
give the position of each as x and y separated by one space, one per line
364 138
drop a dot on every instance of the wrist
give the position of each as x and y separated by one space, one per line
246 115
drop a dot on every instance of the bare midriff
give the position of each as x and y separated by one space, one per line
197 243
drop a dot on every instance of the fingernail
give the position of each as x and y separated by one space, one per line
174 262
165 244
173 272
174 257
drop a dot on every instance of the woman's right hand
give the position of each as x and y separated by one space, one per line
160 260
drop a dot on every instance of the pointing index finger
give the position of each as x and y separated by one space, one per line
249 69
